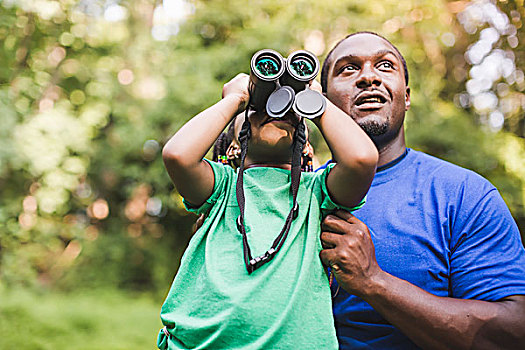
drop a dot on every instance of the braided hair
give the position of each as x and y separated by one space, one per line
222 143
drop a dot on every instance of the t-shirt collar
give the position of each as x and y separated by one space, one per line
393 162
391 171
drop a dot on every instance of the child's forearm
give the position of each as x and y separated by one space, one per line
190 144
349 144
183 154
354 152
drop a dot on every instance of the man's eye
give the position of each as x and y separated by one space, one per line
386 65
349 68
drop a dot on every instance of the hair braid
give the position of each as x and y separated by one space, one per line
222 143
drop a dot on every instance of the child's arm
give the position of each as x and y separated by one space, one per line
354 152
183 154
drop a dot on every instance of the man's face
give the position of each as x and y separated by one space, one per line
366 80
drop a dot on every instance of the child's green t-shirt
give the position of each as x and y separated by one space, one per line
214 303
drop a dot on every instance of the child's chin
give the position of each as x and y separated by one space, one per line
274 144
273 137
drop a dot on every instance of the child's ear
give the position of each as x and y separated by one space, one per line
234 151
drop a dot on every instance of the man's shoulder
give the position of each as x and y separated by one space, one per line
447 173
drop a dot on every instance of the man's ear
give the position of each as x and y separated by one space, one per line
407 99
234 151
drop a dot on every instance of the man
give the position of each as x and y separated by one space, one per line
441 264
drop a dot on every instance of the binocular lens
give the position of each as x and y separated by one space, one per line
302 67
267 67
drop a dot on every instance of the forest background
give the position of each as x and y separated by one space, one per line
91 229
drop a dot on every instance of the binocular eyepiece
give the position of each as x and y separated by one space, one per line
278 84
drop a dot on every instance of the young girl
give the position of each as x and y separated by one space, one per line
222 297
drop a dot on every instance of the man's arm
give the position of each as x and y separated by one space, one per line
429 321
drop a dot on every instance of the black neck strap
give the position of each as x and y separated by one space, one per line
298 143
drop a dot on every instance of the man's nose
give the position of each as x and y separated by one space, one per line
368 77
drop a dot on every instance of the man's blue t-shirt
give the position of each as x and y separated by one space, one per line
440 227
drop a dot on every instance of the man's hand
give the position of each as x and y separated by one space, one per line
431 322
349 251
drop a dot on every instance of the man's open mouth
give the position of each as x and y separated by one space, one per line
370 100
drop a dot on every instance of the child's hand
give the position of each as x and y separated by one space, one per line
316 86
238 87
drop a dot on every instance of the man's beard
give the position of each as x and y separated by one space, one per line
374 128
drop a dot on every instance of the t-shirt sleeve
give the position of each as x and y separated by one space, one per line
328 204
220 173
487 259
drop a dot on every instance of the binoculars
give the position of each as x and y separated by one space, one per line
278 84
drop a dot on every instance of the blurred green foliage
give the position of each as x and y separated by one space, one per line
91 90
72 321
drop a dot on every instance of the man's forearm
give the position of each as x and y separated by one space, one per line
439 323
429 321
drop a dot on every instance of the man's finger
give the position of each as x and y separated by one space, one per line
333 223
347 216
330 239
326 245
328 256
